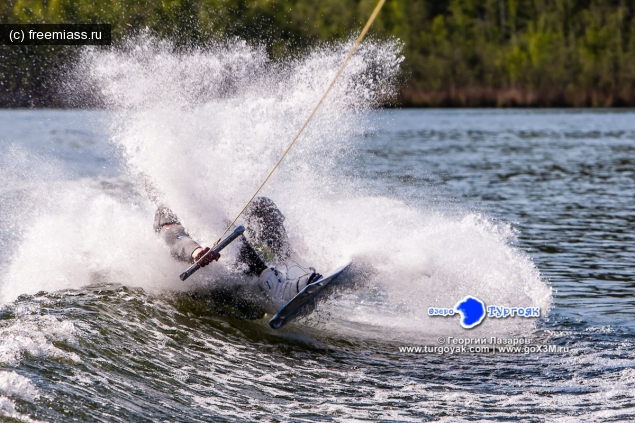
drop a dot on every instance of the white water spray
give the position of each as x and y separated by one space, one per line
205 127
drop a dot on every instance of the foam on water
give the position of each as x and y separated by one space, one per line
205 126
13 385
32 333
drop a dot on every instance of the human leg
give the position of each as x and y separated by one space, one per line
278 290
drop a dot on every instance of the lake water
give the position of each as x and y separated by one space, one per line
516 207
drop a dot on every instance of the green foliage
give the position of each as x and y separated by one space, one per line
549 49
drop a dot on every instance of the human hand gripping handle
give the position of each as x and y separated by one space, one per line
205 257
201 256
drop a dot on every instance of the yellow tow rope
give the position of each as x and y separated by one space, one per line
380 4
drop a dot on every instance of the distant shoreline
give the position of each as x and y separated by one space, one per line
517 98
487 98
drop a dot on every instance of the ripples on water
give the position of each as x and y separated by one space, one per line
566 180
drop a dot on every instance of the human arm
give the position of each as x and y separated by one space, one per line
182 247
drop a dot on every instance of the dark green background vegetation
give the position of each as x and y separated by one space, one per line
458 52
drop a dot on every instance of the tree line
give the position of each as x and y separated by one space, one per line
458 52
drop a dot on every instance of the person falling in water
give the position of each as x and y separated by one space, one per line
265 233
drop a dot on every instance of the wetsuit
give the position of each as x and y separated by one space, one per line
266 241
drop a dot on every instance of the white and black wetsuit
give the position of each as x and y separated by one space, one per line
266 240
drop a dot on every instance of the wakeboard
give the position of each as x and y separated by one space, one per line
303 304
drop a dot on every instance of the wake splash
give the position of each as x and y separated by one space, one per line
205 127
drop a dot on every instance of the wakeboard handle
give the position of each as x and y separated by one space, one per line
224 243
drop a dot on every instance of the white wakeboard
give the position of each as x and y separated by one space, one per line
302 304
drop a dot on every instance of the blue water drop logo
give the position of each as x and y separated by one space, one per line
472 311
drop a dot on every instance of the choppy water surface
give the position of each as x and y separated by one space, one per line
564 178
526 208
